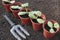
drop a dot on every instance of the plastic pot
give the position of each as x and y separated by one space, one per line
46 33
38 26
7 6
25 21
15 12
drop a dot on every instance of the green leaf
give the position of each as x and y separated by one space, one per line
12 1
50 24
52 31
21 13
6 0
56 25
25 5
31 15
38 13
40 20
16 7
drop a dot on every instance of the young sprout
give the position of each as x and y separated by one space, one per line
50 24
12 1
16 7
21 13
56 25
6 0
25 5
40 21
34 14
31 15
52 30
38 13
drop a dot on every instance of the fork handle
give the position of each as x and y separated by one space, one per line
10 22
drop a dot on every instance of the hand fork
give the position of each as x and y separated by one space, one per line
15 28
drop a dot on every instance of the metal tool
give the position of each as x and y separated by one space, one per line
15 28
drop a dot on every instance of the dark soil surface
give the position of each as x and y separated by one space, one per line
51 8
15 9
34 20
48 28
7 3
24 16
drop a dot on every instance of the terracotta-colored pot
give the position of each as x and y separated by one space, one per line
7 6
25 21
46 33
15 12
38 26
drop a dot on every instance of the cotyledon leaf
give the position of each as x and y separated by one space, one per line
56 25
16 7
32 16
25 5
6 0
50 24
52 31
21 13
40 20
38 13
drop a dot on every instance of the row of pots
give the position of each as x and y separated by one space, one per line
26 21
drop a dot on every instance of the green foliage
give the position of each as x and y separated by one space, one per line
56 25
25 5
16 7
6 0
51 25
40 21
21 13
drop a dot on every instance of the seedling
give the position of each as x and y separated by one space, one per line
9 1
24 12
16 7
25 5
36 15
51 25
20 7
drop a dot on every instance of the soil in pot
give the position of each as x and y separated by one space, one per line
15 9
7 3
48 28
36 25
34 20
15 12
24 16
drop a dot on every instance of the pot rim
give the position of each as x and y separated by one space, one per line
53 22
16 3
6 4
42 17
23 9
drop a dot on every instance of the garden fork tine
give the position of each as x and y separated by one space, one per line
15 27
14 34
24 30
20 33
